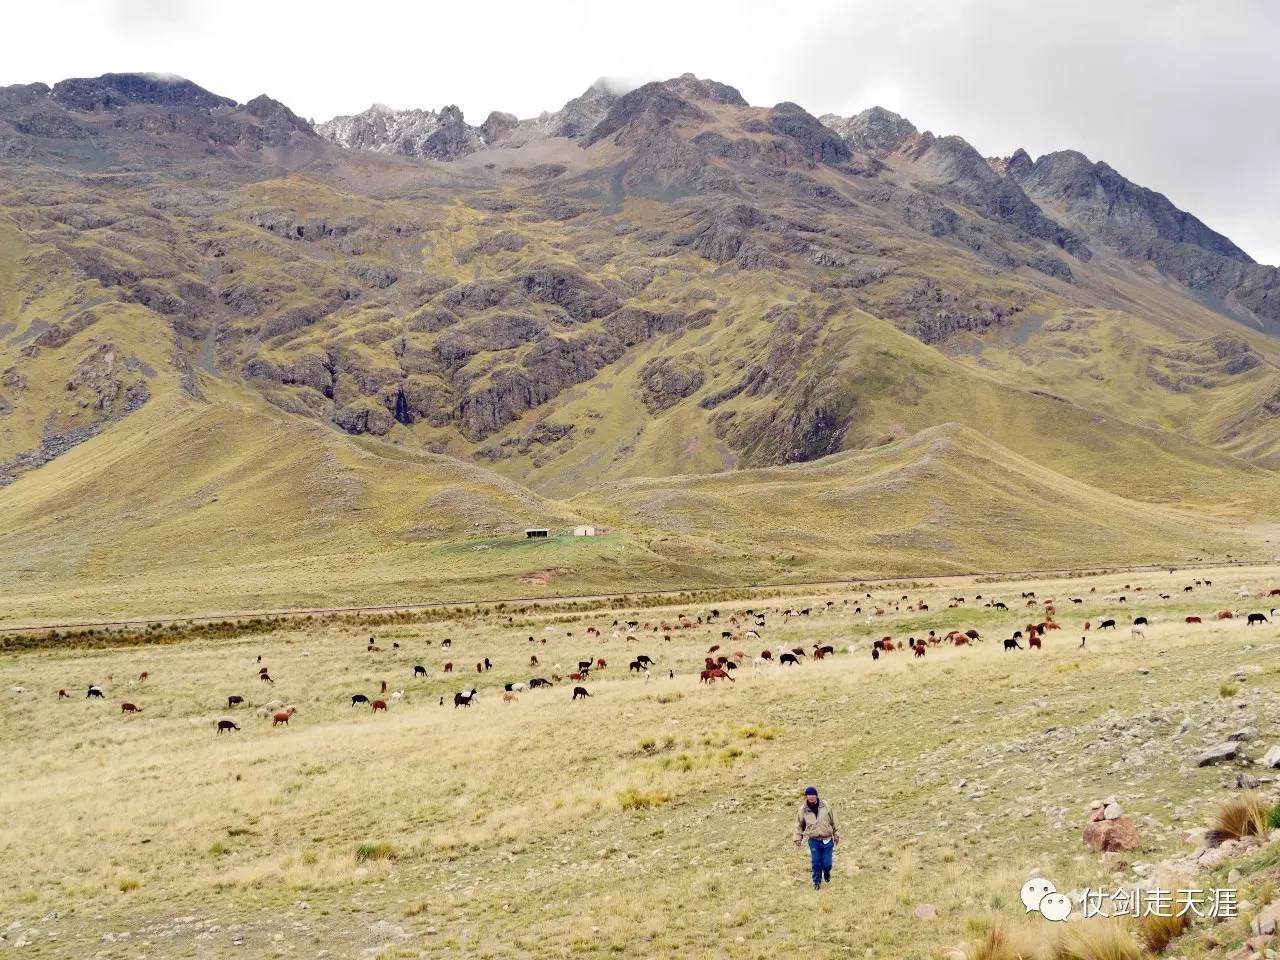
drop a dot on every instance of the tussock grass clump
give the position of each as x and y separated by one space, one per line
1002 943
635 799
380 850
127 883
1273 818
1244 816
1157 932
1101 939
1226 689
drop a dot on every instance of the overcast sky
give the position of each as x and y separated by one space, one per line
1178 95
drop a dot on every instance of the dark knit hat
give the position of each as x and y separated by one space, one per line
810 791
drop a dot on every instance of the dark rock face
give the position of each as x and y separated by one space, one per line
410 133
112 91
810 409
579 115
487 334
549 367
818 143
687 85
151 115
497 125
963 174
580 298
1145 225
504 242
1130 217
276 118
665 381
106 384
452 139
33 113
364 418
737 233
641 113
632 325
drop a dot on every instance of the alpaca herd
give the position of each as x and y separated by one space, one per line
735 631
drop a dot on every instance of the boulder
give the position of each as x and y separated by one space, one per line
1271 758
1109 836
1220 753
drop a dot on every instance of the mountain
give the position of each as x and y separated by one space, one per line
411 133
1141 224
445 135
602 313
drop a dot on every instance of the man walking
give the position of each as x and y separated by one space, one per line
817 824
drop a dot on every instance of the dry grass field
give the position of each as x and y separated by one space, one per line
651 820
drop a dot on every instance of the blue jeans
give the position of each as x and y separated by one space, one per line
821 855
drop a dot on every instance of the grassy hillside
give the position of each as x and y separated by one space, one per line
946 499
225 504
230 505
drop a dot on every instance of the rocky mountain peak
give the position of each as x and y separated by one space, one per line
442 135
647 109
691 87
275 114
1016 163
113 91
820 143
876 131
1128 216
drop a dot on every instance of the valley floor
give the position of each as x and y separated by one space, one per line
652 819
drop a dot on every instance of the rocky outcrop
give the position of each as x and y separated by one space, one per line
1142 224
962 174
875 131
638 115
818 143
549 366
665 381
497 127
1131 218
364 417
582 299
809 410
114 91
577 117
105 386
443 135
741 234
32 112
278 122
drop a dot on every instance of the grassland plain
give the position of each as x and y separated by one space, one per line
537 828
